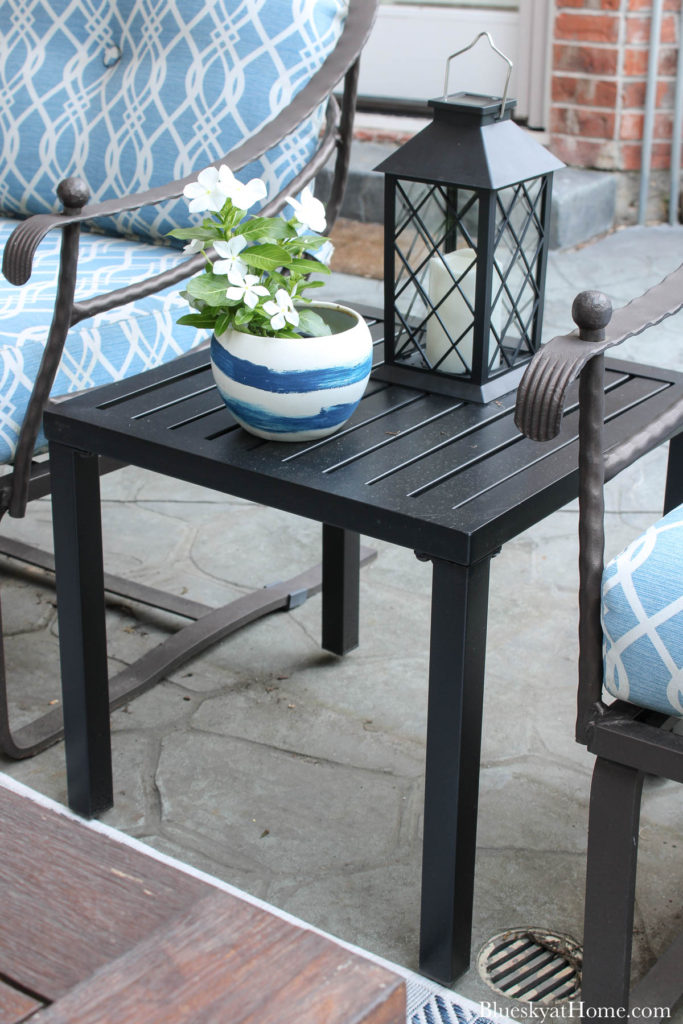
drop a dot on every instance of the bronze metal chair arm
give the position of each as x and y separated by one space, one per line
542 391
629 451
540 401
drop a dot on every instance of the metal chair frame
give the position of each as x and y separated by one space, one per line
30 478
629 742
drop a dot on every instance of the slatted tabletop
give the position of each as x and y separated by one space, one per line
450 478
94 930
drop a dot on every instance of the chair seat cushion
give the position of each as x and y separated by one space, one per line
642 619
108 347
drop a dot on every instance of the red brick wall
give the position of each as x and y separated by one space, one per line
600 62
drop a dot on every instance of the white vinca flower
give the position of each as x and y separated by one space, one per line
281 310
244 196
309 210
248 290
230 253
207 192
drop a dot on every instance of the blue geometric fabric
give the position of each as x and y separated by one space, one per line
642 618
137 93
109 346
130 95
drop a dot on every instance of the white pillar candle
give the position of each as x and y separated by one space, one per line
455 313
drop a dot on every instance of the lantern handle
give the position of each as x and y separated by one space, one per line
469 47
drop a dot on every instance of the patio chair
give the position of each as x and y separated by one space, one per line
635 652
119 100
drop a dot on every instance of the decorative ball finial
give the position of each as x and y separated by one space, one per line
73 192
591 312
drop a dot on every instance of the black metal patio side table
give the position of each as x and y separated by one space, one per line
450 479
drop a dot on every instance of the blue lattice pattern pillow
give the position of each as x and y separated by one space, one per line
136 93
109 346
642 618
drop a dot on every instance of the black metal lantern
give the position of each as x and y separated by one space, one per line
467 215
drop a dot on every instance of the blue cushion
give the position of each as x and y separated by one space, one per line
131 95
107 347
642 619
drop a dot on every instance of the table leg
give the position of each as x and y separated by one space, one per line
456 689
341 582
673 496
82 630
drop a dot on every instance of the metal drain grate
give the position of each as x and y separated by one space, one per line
532 965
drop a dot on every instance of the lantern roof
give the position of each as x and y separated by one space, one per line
473 143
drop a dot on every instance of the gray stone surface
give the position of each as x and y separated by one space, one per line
298 775
364 196
584 204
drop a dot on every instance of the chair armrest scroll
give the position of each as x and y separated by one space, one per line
542 391
17 260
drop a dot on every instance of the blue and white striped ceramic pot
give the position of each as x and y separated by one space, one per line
295 389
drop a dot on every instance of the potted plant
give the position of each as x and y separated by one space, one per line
288 370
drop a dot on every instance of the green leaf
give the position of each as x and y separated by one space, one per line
311 267
265 227
198 319
243 316
308 284
210 288
266 256
205 233
223 323
277 280
312 323
303 242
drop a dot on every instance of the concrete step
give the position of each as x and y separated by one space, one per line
584 202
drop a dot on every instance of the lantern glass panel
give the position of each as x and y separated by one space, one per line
517 255
435 267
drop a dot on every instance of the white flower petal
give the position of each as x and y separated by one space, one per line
208 177
309 210
226 177
194 245
197 205
193 190
237 243
236 271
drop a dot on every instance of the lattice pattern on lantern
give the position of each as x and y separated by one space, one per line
435 268
517 253
435 275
